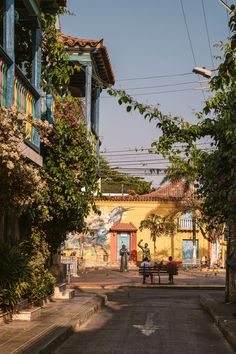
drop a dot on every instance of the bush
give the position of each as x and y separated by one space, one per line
23 275
15 274
41 284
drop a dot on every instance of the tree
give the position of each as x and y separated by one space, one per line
186 171
50 201
216 172
70 174
113 181
158 226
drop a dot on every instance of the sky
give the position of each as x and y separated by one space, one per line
153 46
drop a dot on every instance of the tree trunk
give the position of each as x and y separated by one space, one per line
155 250
172 246
194 233
230 295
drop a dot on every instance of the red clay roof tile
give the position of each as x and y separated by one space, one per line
73 42
121 226
170 191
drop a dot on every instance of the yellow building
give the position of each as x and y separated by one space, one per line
119 223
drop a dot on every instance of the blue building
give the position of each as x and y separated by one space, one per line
20 62
95 75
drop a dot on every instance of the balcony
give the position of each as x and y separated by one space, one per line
5 62
25 100
185 224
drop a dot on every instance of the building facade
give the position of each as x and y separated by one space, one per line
119 222
20 45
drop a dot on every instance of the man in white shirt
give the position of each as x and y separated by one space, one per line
146 266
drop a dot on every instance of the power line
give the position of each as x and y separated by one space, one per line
131 155
126 150
157 86
145 149
190 41
188 33
154 77
140 163
208 37
154 93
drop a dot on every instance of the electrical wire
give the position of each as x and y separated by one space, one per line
146 149
154 77
158 86
155 93
190 41
188 33
207 31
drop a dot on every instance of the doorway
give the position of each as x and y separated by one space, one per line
187 249
122 239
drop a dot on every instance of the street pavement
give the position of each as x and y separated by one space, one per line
61 318
148 321
107 278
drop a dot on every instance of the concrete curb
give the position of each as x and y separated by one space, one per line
211 306
143 286
53 337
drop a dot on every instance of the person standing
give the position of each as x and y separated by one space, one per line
146 270
146 250
172 269
124 253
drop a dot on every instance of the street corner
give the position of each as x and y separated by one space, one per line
223 315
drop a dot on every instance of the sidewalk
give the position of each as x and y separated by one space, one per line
61 317
113 278
223 315
58 320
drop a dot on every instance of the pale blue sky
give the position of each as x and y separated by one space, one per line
145 39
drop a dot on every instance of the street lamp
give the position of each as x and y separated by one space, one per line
202 71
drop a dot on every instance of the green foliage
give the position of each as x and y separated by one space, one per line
23 47
15 273
70 172
55 60
21 182
41 284
23 273
52 200
158 226
212 172
115 182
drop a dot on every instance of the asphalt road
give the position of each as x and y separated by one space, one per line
159 321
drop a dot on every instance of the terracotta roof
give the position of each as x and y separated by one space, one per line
170 190
121 226
101 57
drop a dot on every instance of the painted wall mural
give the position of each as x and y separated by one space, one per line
95 244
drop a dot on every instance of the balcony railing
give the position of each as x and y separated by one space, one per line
185 224
5 62
25 97
3 82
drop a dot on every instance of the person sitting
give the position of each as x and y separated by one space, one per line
146 267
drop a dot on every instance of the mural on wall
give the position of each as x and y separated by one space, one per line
95 242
